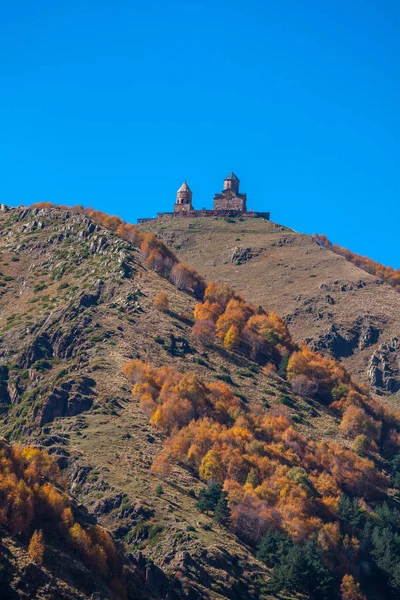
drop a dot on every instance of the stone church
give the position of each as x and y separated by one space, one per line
228 199
228 203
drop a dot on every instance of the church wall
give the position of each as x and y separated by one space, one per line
229 201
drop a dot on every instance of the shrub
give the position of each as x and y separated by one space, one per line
304 386
161 302
360 444
204 331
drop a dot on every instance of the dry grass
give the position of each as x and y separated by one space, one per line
290 274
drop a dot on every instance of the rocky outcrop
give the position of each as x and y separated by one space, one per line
70 399
4 393
88 299
241 255
40 348
342 343
384 367
156 582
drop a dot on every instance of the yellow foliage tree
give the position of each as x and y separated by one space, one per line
36 547
232 338
211 468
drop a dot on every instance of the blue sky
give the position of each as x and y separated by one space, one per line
113 104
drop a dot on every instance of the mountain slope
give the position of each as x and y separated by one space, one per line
327 301
77 306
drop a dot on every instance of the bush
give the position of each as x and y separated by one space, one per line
360 444
304 386
225 378
161 302
200 361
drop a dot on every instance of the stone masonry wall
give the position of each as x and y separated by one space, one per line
193 214
230 201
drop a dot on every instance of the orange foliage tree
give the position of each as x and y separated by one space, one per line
325 373
243 327
161 302
204 331
32 494
350 590
274 477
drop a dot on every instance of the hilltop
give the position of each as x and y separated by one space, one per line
89 307
327 301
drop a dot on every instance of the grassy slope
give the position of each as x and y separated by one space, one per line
291 274
113 438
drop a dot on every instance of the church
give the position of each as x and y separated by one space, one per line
228 199
228 203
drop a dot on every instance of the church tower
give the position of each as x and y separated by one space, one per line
183 199
229 198
232 183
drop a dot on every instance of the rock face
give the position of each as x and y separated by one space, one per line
342 342
241 255
384 367
70 399
4 393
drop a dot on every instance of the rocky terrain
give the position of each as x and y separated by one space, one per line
328 302
77 303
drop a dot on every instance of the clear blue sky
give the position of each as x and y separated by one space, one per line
113 104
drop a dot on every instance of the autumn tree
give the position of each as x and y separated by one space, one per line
356 422
36 547
181 276
212 468
325 373
350 590
161 465
303 386
232 338
161 302
360 444
204 331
